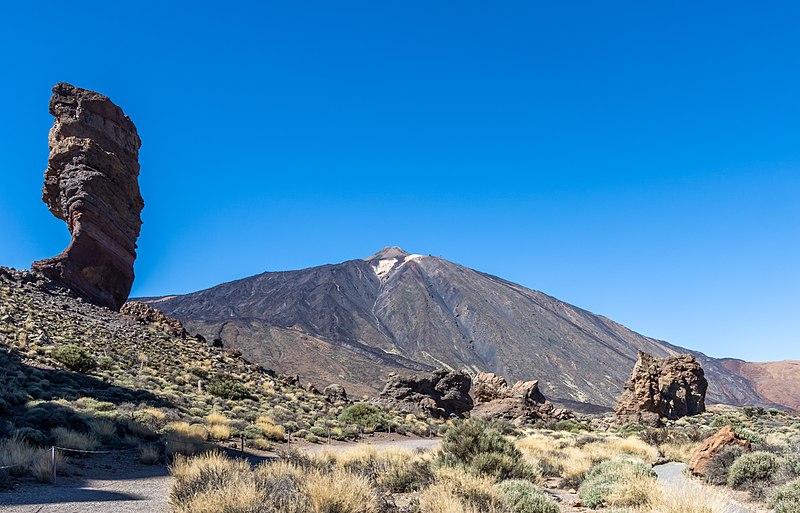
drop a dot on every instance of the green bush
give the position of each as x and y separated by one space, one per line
524 497
226 387
719 466
786 499
754 467
365 415
599 483
480 449
74 358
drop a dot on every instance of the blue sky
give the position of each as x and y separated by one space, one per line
638 159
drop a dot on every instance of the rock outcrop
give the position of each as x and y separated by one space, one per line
149 315
521 404
712 445
91 183
441 394
670 387
335 393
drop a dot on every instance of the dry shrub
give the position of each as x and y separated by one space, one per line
105 430
70 439
42 466
394 469
571 456
340 491
150 454
269 429
678 451
213 483
185 438
219 432
217 419
692 498
18 452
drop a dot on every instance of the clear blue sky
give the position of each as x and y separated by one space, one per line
638 159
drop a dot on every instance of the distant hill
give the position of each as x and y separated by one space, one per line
357 321
778 382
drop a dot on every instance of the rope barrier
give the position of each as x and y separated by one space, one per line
12 466
93 452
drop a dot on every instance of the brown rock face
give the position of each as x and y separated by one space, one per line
712 445
439 394
671 387
521 404
91 183
150 315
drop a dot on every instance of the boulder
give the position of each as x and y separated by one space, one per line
441 394
669 387
335 393
712 445
91 183
148 314
521 404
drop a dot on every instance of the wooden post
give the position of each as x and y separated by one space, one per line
53 463
242 444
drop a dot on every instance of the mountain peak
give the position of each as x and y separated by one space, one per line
387 253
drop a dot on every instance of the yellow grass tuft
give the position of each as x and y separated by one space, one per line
73 439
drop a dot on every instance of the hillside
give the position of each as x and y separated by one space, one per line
360 320
67 363
778 382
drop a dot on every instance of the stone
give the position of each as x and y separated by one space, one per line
91 183
669 387
335 393
712 445
149 315
440 394
520 404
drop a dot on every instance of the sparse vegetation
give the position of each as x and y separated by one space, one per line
74 358
619 483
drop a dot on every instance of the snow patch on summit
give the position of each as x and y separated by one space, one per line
384 266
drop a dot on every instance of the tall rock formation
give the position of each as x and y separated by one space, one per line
91 183
669 387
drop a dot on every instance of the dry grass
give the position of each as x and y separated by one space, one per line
213 483
150 454
219 432
570 456
42 466
105 430
456 491
18 452
269 429
73 439
693 498
217 419
635 491
678 451
185 438
394 469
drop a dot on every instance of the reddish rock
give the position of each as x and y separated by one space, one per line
91 183
671 387
712 445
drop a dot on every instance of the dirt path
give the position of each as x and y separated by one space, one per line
119 484
673 475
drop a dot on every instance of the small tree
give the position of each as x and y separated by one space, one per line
365 415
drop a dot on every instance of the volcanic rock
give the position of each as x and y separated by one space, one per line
712 445
441 394
521 404
335 393
147 314
670 387
91 183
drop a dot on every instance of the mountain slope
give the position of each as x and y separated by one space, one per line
778 382
357 321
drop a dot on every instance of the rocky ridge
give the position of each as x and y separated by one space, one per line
670 387
91 183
